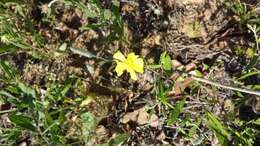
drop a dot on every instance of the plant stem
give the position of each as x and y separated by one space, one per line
226 87
7 111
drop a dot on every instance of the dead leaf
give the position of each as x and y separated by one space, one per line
192 30
154 121
190 67
228 105
161 136
102 132
145 51
220 44
179 87
141 117
131 116
186 83
128 8
176 63
174 76
152 40
189 2
149 42
23 143
170 3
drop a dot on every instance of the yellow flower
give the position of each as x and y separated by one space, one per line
133 63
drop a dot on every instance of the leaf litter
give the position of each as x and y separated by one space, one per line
173 37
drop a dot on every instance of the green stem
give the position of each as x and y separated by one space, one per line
7 111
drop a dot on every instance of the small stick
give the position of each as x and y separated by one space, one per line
50 3
226 87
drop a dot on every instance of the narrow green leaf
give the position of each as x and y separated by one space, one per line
7 48
248 75
23 121
217 127
26 90
9 97
257 122
51 124
6 94
119 140
8 69
173 117
252 63
161 95
19 10
192 131
67 86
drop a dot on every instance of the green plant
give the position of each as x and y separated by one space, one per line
175 112
166 62
244 135
106 18
41 115
161 96
245 14
16 30
44 116
218 128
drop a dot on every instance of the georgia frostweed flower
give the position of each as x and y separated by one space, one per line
132 64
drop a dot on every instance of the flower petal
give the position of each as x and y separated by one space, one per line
138 65
135 62
132 73
119 56
120 68
132 56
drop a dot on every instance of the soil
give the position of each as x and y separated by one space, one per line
192 31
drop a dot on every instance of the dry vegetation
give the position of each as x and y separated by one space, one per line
129 72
